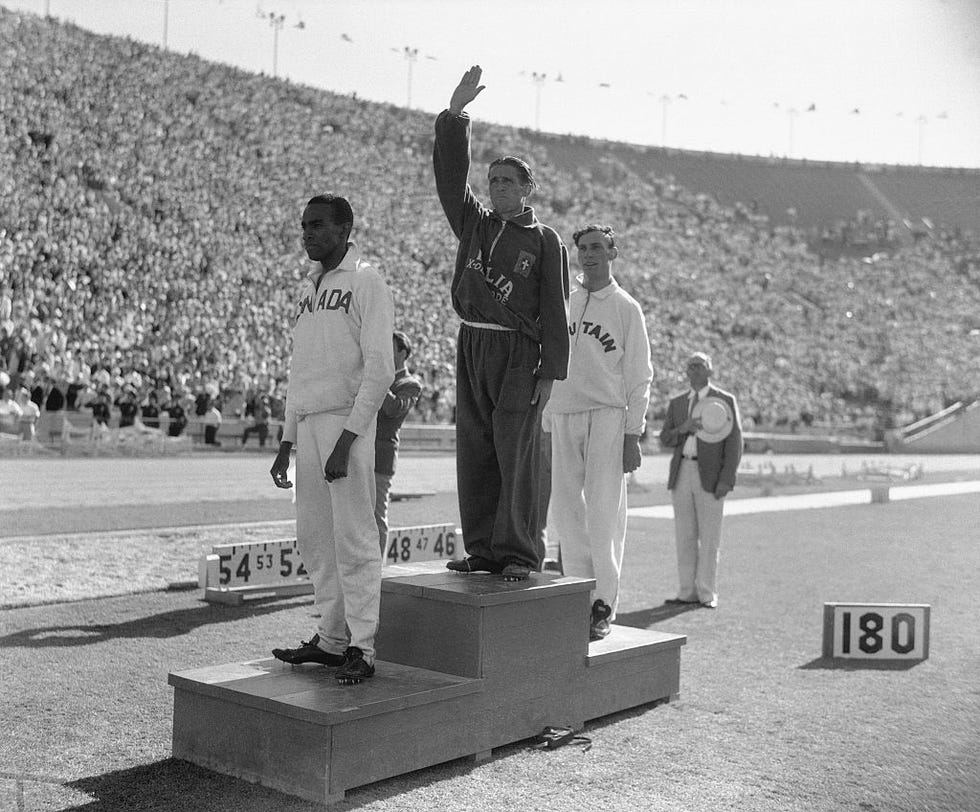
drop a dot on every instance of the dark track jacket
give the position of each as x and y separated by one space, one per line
512 273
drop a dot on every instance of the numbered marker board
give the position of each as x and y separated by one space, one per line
876 631
430 542
232 572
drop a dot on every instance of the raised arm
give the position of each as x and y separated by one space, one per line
469 88
451 154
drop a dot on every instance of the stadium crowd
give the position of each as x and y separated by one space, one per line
149 250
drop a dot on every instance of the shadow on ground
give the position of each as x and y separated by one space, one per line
645 618
830 664
175 784
160 626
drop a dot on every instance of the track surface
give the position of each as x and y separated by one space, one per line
56 495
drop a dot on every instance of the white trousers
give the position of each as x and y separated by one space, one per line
697 530
588 497
337 535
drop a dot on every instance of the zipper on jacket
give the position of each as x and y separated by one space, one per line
578 330
493 245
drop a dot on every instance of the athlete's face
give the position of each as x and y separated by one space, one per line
322 237
508 190
595 254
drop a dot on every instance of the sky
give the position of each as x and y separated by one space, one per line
876 81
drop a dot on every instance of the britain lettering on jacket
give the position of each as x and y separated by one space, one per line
334 299
590 328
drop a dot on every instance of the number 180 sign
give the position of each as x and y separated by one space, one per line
876 631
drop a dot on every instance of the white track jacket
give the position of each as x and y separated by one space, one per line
610 357
342 361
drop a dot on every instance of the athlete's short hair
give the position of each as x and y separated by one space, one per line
607 230
402 342
519 164
340 209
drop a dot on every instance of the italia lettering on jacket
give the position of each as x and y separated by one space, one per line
334 299
500 286
590 328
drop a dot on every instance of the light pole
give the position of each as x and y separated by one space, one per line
791 114
411 55
921 121
538 79
166 19
664 104
276 21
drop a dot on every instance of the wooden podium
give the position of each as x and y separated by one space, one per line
465 663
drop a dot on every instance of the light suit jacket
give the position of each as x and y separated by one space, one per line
717 462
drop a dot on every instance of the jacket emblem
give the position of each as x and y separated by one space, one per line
525 261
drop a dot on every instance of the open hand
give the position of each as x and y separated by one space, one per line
469 88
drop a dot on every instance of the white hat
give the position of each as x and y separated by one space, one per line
716 418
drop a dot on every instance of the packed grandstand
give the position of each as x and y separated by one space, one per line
149 242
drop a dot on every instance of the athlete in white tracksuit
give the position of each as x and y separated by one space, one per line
596 417
340 370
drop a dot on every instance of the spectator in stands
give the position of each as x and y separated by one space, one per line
260 411
510 289
127 406
101 407
10 412
212 421
150 411
178 415
29 415
399 399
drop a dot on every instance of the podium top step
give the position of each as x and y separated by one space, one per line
627 642
312 694
478 589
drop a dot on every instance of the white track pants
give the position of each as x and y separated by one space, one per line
588 496
337 534
697 529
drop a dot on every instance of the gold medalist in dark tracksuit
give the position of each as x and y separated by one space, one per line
510 288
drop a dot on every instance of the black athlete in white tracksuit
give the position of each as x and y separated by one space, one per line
510 288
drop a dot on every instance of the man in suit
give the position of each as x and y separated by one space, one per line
702 473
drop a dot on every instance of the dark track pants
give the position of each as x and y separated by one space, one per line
498 451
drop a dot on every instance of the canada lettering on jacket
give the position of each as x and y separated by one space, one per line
500 286
335 299
590 328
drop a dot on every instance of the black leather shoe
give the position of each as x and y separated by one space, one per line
599 622
474 563
309 652
356 669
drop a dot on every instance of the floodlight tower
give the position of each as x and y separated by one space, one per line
538 79
411 56
921 121
791 114
664 104
276 21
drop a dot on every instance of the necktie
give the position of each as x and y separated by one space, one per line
694 402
